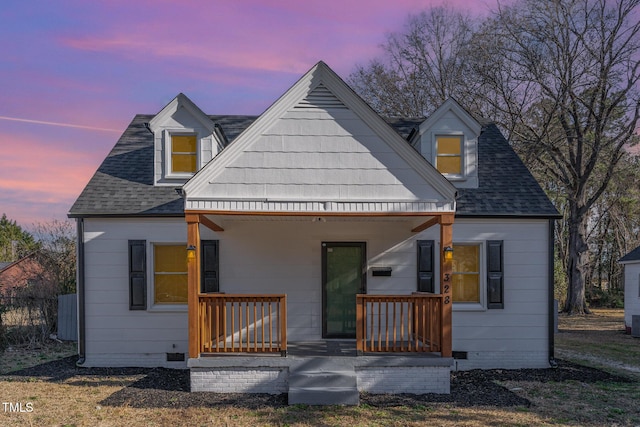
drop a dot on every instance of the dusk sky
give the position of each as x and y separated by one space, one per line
74 73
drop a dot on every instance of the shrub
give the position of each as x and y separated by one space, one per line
599 298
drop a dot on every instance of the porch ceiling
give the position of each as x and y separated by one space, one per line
416 222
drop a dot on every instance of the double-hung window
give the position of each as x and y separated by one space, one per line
449 154
477 279
184 154
170 274
168 270
465 280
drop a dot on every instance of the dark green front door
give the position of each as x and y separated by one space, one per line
343 276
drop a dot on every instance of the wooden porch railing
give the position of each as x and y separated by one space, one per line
242 323
399 323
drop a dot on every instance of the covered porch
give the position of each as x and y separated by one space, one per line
241 324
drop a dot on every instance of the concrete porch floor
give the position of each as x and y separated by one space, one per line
322 348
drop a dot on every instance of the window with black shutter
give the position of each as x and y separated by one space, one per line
495 274
210 261
426 275
137 275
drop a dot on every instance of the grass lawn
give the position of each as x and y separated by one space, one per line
88 399
596 340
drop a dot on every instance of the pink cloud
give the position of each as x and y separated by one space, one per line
59 174
277 36
281 36
106 61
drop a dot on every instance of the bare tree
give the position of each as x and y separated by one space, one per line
568 84
422 66
614 230
57 254
561 79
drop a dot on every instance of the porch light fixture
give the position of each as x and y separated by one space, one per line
191 253
448 253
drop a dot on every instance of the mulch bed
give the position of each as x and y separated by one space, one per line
169 388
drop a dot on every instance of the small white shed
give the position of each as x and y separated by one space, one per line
631 263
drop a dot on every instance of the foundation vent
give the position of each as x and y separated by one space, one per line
175 357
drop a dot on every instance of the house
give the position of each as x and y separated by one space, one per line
17 275
631 264
317 223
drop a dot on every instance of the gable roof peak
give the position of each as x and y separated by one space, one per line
299 95
181 101
454 106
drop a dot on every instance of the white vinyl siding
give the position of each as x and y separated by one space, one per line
115 335
321 155
631 291
283 255
516 336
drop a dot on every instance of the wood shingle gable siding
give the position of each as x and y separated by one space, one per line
300 151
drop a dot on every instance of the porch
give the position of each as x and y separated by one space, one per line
254 341
387 316
397 349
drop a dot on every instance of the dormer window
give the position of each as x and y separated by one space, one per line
448 139
184 154
184 139
449 154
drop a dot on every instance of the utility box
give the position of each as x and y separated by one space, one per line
635 326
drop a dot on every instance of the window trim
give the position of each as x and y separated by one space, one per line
152 306
168 149
452 176
482 304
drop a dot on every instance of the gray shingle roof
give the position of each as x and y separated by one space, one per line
634 255
506 187
123 184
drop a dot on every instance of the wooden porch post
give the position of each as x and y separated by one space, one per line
193 284
446 268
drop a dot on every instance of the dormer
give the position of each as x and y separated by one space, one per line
185 139
448 139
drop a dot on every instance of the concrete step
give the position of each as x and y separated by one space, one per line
324 387
322 379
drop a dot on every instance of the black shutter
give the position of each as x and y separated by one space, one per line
426 281
210 261
137 275
495 274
